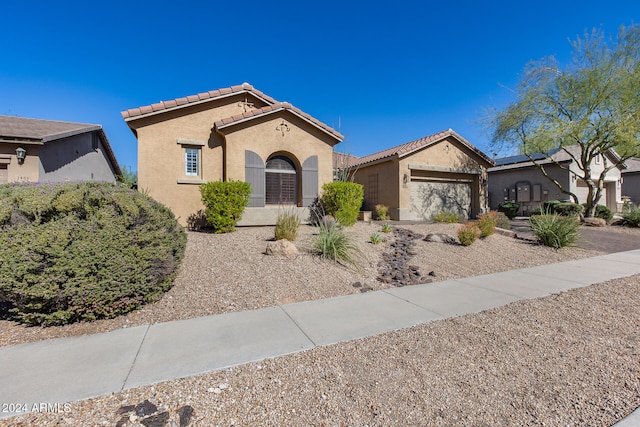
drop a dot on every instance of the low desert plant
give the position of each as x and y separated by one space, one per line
343 200
555 230
631 214
334 244
502 221
92 251
387 228
224 203
601 212
382 211
510 209
468 233
287 224
446 216
487 223
376 238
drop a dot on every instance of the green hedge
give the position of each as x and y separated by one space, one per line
224 203
562 208
343 200
601 212
84 251
510 209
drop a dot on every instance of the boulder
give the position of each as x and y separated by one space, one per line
439 238
594 222
282 247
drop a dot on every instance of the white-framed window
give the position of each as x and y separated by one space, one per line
191 161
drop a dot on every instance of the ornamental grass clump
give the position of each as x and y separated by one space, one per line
376 238
554 230
92 251
287 224
382 211
334 244
631 214
487 223
468 233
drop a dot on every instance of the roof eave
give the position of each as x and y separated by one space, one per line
190 104
338 137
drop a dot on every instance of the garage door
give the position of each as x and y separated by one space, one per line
431 197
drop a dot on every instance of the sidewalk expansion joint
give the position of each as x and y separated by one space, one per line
298 326
133 363
443 316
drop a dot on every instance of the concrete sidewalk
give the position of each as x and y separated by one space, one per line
69 369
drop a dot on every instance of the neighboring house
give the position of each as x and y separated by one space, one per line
236 133
517 178
441 172
631 180
34 150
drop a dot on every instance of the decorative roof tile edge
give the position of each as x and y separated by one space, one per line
172 104
408 148
270 109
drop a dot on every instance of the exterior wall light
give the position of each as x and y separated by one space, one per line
21 154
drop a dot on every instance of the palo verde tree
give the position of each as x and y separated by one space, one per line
589 108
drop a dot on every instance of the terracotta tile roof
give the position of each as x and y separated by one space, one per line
211 95
38 131
556 155
410 147
270 109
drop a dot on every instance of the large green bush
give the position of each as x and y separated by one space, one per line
84 251
562 208
601 212
343 201
555 230
224 203
510 209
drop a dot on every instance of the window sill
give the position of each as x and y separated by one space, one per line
190 181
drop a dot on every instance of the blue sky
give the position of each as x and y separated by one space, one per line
382 73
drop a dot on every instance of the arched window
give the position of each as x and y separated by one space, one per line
281 181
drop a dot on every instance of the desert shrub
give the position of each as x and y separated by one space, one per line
386 228
287 224
555 230
502 221
510 209
631 214
487 223
342 200
376 238
224 203
382 211
446 216
334 244
97 250
562 208
601 212
468 233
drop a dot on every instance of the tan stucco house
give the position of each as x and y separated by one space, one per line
517 178
235 133
440 172
34 150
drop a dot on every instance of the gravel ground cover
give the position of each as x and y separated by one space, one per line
224 273
567 359
570 359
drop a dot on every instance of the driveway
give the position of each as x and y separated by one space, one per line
598 239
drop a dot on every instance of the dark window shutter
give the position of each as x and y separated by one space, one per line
309 180
254 175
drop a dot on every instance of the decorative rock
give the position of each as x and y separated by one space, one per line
185 413
439 238
158 420
594 222
146 408
281 247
